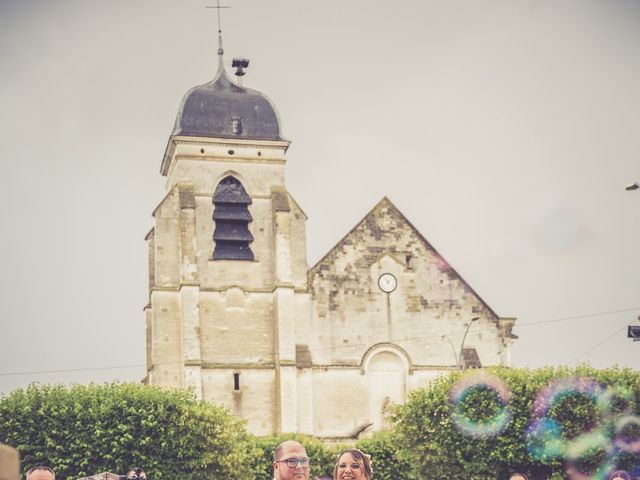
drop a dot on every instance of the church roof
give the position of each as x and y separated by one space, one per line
222 109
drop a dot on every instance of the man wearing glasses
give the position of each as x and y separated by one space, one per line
290 462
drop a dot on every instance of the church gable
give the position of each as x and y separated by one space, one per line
429 298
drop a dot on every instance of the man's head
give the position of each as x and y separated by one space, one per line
136 473
290 462
518 476
40 473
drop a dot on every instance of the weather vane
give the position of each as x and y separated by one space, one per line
220 50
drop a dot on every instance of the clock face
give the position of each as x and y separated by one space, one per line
387 282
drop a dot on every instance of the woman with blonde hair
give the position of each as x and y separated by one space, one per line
352 465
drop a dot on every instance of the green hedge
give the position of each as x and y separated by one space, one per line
440 448
387 460
81 431
84 430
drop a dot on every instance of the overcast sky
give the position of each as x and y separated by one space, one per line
505 131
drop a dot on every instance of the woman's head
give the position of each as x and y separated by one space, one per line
352 465
619 475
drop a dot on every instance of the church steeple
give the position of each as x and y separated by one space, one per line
228 256
221 109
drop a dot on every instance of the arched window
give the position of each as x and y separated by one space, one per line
231 216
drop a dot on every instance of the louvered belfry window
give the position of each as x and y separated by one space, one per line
231 216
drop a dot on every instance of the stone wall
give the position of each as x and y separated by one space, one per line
351 313
212 320
370 348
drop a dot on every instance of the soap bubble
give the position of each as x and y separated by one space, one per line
480 405
617 400
627 434
590 456
560 389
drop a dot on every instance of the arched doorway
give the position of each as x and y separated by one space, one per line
386 375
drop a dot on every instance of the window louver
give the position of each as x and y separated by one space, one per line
231 216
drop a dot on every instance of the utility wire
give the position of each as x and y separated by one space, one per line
564 319
598 344
68 370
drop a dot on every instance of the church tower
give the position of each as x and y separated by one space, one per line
227 259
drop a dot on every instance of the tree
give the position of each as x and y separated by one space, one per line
387 461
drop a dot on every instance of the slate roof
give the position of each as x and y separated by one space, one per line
222 109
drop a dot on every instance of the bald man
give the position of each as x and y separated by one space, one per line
517 476
40 472
290 461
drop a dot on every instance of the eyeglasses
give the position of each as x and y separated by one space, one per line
294 462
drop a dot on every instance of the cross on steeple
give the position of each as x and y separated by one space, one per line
220 50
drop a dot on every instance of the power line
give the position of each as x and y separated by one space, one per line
69 370
577 317
598 344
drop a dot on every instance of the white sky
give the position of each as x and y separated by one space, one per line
504 130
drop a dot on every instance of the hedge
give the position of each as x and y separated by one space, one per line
467 424
468 430
387 460
83 430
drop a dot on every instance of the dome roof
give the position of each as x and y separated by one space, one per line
223 109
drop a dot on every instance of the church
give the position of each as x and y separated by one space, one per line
236 313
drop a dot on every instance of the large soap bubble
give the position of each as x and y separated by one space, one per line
480 405
627 434
615 401
590 456
560 389
546 438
